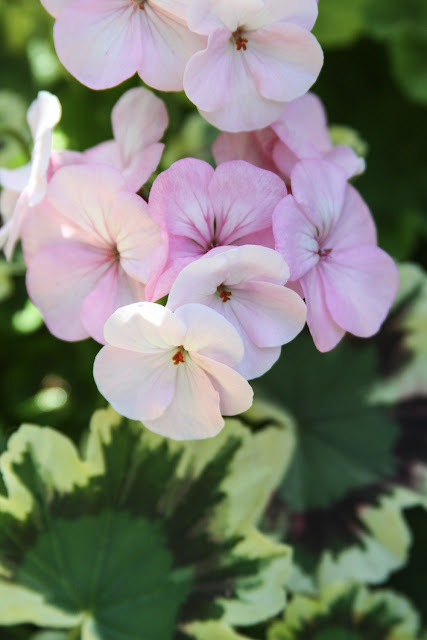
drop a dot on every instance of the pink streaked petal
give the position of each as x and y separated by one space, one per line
360 287
326 333
243 198
58 280
205 15
46 227
295 237
85 195
113 290
162 279
134 233
179 200
346 158
284 60
194 412
139 120
284 159
145 327
319 188
355 226
270 314
255 147
138 385
235 394
300 12
209 334
100 42
166 46
264 237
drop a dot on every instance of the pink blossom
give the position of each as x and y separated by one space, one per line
139 120
172 371
260 55
88 248
26 186
327 235
246 286
198 209
300 133
104 42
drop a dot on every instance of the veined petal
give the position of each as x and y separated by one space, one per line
243 198
58 280
209 334
319 188
326 333
295 237
355 226
145 327
361 284
194 412
138 385
235 394
113 290
100 42
166 46
284 60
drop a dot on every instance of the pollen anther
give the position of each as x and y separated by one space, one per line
239 40
178 357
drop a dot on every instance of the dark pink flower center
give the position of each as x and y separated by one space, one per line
323 253
240 41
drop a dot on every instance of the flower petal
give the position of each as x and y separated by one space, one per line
325 331
138 385
255 147
300 12
355 226
361 284
235 394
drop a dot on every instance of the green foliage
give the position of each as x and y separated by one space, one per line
112 543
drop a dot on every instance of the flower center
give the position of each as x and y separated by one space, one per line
140 4
323 253
179 356
240 41
223 294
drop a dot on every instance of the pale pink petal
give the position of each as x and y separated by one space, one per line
85 194
105 153
145 327
221 85
360 287
295 237
45 227
207 15
113 290
348 159
235 394
270 314
194 411
243 198
325 331
284 60
140 386
14 225
198 282
58 280
54 7
59 159
166 47
100 42
255 147
253 262
303 126
300 12
355 226
319 188
284 159
209 334
139 120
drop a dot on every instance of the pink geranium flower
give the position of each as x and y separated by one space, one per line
25 187
246 286
104 42
88 248
300 133
198 209
260 55
327 235
139 120
172 371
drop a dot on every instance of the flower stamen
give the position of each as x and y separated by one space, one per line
223 294
323 253
239 40
179 356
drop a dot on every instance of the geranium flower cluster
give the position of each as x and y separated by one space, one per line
240 256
